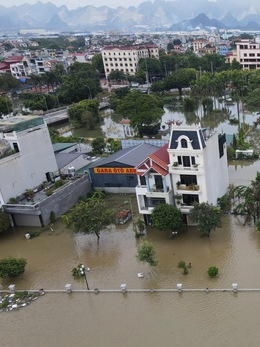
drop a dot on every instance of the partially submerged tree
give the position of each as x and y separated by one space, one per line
146 253
207 217
12 267
166 217
248 200
143 110
90 216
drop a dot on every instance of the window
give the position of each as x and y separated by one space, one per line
142 180
184 143
188 179
158 182
16 148
186 161
189 199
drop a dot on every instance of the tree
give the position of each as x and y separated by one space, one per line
97 62
117 76
8 82
90 216
207 217
182 78
85 113
248 198
81 82
146 253
152 67
5 106
4 221
98 145
12 267
212 271
142 109
166 217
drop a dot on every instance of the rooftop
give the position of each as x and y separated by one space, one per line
19 123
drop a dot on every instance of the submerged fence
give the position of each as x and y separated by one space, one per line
123 289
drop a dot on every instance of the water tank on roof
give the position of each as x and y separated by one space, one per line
71 170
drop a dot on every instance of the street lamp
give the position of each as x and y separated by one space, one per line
90 96
83 272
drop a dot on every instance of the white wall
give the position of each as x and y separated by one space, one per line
216 172
27 169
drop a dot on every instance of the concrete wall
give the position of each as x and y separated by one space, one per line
59 202
65 198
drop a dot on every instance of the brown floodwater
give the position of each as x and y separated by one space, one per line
137 319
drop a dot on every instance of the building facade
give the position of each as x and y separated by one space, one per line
248 54
126 58
31 160
195 170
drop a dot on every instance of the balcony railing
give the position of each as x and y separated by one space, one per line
188 187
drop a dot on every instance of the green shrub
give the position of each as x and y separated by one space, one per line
12 201
181 264
76 271
212 271
11 267
58 184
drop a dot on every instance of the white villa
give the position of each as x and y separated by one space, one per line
191 168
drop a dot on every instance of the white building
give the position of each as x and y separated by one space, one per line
248 54
27 157
126 58
198 165
154 182
196 171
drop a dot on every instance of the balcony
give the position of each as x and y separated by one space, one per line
191 187
185 209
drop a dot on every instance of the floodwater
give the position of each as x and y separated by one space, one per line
196 319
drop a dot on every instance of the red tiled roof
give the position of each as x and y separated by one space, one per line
159 159
159 169
161 156
134 47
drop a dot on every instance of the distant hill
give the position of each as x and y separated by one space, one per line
159 14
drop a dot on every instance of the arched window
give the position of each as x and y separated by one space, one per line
184 143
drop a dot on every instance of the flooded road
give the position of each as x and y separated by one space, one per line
137 319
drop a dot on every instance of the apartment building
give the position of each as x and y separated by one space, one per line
248 54
126 58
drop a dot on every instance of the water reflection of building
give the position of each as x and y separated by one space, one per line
191 168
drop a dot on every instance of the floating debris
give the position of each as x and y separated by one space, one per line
14 301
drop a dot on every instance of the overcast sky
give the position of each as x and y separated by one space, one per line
76 3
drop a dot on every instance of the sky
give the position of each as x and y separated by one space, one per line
71 4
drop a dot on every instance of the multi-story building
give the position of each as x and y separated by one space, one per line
126 58
199 44
155 185
248 54
193 168
28 167
27 155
